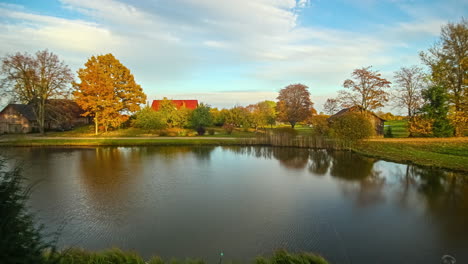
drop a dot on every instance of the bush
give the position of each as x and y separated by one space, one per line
352 127
228 128
147 118
284 257
419 126
320 125
20 240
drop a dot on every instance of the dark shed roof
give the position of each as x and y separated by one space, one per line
25 110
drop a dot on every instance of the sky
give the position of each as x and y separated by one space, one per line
231 52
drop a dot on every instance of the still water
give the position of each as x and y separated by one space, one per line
246 201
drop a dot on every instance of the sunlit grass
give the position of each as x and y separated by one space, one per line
399 128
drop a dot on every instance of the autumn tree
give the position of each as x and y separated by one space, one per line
331 106
447 60
294 104
147 118
172 116
35 79
409 84
262 114
107 91
366 89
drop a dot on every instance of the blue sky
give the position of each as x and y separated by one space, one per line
226 52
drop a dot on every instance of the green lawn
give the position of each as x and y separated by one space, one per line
399 128
450 153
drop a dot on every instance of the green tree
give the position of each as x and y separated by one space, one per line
201 118
147 118
294 104
35 79
107 91
436 108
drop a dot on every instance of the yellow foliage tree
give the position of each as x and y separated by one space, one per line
107 91
420 126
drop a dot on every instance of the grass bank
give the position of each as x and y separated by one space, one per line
449 153
79 256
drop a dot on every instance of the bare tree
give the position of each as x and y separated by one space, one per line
34 79
367 90
409 84
331 106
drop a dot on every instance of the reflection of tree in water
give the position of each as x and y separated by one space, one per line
109 170
258 152
445 195
292 158
362 181
320 161
171 152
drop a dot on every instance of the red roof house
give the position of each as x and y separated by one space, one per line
190 104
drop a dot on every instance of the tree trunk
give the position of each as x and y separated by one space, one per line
41 116
292 124
96 124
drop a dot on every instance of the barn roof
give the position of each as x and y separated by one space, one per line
190 104
353 109
26 111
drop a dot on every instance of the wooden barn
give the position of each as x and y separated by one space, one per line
18 118
377 122
190 104
61 114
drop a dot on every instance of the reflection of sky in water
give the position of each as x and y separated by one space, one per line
245 201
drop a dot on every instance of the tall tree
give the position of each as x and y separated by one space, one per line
409 84
294 104
331 106
262 114
436 109
107 91
448 62
35 79
367 90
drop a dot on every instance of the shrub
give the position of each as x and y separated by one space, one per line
420 126
320 125
352 127
284 257
228 128
20 240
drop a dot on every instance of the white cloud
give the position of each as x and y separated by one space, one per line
166 42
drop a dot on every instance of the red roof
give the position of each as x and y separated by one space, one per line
190 104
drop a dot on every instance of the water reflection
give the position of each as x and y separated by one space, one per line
249 200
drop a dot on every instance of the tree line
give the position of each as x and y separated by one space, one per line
435 100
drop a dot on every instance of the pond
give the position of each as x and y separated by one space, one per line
246 201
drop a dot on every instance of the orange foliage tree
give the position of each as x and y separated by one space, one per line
107 91
367 90
294 104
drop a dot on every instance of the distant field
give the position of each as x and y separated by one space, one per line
399 128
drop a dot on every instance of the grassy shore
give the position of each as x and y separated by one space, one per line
449 153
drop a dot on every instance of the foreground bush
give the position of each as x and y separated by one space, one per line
147 118
352 127
80 256
20 240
